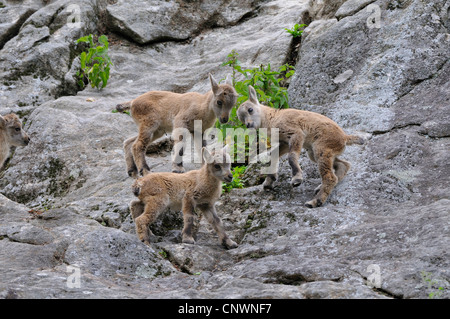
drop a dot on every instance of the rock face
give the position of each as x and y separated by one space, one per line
35 61
151 21
65 227
370 64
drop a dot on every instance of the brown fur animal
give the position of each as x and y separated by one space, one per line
196 190
322 138
159 112
11 134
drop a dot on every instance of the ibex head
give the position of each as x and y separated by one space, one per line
225 98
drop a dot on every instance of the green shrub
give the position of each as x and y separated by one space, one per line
266 82
95 62
237 172
297 30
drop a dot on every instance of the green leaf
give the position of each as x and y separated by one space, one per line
107 69
260 93
83 60
95 62
103 39
105 76
84 39
104 79
91 52
242 99
100 50
241 88
91 40
99 60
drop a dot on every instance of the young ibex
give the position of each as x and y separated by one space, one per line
322 138
11 134
197 190
159 112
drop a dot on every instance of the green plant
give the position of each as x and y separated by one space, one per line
95 62
268 84
234 63
125 112
237 182
265 80
296 30
433 284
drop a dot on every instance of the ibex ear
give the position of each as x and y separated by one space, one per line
206 155
214 85
252 96
228 80
2 122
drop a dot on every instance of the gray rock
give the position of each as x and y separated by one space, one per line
333 290
174 20
34 63
426 105
27 234
324 9
387 63
13 16
351 7
383 233
107 252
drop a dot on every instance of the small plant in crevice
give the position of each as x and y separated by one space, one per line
163 254
237 172
297 30
95 62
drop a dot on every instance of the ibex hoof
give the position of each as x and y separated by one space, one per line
317 190
133 173
178 170
296 182
144 172
229 244
189 241
314 203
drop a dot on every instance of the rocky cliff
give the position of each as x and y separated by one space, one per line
378 68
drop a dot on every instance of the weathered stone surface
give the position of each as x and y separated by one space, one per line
324 9
13 15
34 63
112 253
386 62
351 7
67 193
151 21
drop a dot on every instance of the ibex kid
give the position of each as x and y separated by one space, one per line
196 190
11 134
159 112
322 138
